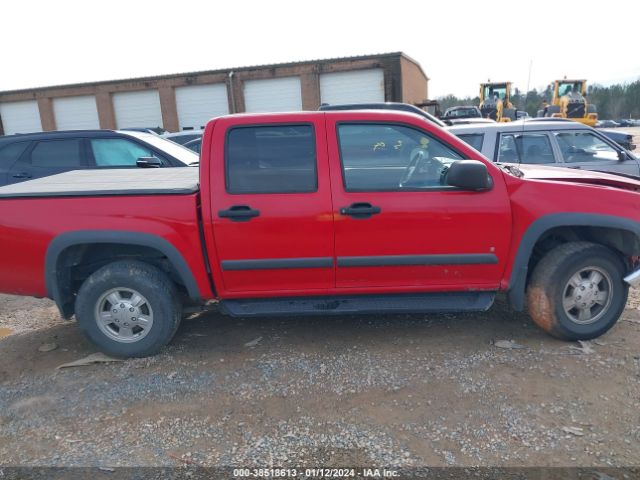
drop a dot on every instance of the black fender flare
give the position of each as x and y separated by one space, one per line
518 279
82 237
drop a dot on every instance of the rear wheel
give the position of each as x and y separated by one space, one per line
576 291
128 309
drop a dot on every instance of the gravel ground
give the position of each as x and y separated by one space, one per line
409 390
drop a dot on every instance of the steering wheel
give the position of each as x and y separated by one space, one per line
416 157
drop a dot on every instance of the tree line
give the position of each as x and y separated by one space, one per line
613 102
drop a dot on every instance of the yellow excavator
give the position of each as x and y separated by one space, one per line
569 101
495 101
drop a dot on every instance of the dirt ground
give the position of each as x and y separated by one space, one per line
406 390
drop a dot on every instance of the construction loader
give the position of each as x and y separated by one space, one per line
569 101
495 101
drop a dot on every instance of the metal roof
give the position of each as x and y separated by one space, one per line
217 71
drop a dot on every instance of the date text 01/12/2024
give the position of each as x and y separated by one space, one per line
314 473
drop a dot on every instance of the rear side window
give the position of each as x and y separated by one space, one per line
271 159
529 148
116 152
473 139
57 153
10 153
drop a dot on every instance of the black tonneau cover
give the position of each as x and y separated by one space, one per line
121 181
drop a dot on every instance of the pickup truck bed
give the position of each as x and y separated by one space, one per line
139 181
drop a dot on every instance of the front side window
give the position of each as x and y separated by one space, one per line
577 147
271 159
117 152
528 148
387 157
473 139
57 153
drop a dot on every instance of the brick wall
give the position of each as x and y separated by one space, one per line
415 88
404 81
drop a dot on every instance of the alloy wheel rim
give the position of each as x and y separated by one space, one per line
587 295
124 315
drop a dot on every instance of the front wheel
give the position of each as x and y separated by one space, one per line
577 292
128 309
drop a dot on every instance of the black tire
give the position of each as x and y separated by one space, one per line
549 285
157 290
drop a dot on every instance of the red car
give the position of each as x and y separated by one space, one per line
322 213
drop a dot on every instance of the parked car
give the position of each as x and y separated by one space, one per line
606 124
551 143
320 213
625 122
152 130
397 106
457 113
183 137
468 121
624 139
194 145
34 155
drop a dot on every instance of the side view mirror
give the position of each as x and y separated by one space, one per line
622 155
148 162
468 175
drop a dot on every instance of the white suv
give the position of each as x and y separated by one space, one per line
550 143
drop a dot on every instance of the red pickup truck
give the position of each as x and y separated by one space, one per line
322 213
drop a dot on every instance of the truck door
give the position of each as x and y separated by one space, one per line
271 206
396 225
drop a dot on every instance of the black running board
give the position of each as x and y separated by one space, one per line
353 304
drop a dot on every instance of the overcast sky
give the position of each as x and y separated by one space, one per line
458 43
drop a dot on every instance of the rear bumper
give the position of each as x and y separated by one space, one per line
633 279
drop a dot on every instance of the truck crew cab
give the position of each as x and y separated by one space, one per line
321 213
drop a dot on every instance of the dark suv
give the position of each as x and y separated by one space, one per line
34 155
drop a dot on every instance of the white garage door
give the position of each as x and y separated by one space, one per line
73 113
273 95
197 104
20 117
137 109
358 86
